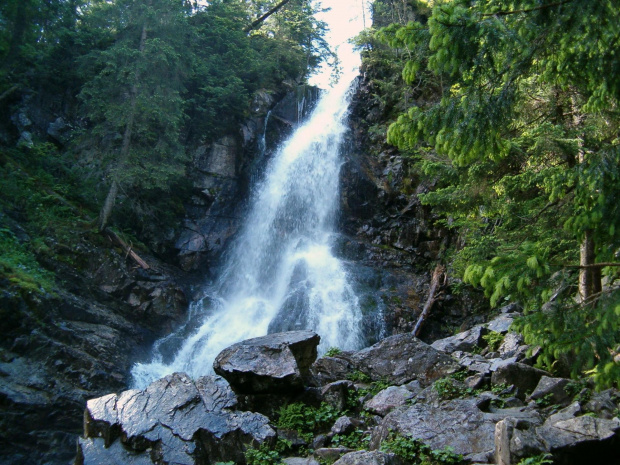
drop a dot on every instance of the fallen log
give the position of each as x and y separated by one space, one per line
128 250
436 282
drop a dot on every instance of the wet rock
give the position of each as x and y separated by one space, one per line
174 420
524 377
276 362
464 341
92 451
403 358
388 399
368 458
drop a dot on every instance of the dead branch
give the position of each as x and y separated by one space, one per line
126 248
436 282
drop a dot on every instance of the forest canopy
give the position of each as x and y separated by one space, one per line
144 81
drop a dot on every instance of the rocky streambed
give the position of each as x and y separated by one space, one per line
470 398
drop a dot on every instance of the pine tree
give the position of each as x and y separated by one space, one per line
524 140
134 99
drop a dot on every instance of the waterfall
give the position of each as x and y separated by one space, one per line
280 273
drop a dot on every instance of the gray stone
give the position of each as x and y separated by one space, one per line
553 387
512 345
343 425
388 399
464 341
584 429
363 457
182 421
300 461
59 130
331 454
330 369
402 358
458 423
523 377
273 363
336 394
602 403
501 324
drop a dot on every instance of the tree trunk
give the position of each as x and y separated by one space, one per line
108 205
438 273
589 277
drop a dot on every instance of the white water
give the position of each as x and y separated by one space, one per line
280 273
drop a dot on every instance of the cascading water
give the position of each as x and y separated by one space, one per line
280 273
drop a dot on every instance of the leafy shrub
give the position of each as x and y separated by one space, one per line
306 420
418 453
354 440
542 459
446 389
358 377
332 351
262 456
494 340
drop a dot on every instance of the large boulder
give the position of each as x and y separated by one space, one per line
174 420
402 358
274 363
363 457
458 423
572 438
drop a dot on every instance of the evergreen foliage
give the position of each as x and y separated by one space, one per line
153 78
523 140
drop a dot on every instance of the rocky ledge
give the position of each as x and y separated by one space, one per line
471 398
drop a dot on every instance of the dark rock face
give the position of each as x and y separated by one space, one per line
276 362
59 350
174 420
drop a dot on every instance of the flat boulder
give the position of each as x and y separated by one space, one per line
277 362
174 420
402 358
458 423
363 457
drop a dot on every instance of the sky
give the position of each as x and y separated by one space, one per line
345 20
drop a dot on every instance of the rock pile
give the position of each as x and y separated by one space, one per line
487 403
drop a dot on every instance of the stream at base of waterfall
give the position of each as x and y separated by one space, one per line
280 273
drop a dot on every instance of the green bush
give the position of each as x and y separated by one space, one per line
416 452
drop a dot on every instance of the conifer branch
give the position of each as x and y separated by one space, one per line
527 10
262 18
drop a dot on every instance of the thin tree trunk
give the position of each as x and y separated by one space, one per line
260 20
108 205
589 277
432 296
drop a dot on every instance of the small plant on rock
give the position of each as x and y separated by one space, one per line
446 389
494 340
542 459
416 452
262 456
332 351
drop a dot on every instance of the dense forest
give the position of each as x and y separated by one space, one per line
506 112
138 84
